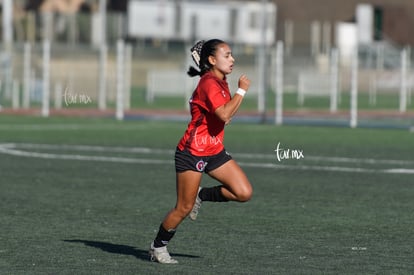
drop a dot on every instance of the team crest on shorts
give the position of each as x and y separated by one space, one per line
201 165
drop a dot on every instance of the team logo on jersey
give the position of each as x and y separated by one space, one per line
201 165
223 93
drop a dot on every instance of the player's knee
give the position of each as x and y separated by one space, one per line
244 194
244 197
184 210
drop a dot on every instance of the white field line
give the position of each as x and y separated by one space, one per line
19 153
145 150
12 149
88 148
332 159
366 161
66 127
310 167
59 127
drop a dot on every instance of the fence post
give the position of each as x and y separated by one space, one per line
26 75
58 95
47 25
315 38
102 14
373 89
403 85
103 59
7 32
279 84
7 20
128 67
289 36
326 37
334 80
120 52
410 80
73 29
261 90
354 90
46 78
188 81
380 57
150 93
16 95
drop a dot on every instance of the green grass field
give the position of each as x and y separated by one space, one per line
86 196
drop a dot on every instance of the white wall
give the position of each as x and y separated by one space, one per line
202 20
248 25
205 21
155 19
365 23
346 40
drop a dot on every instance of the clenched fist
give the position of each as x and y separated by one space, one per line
244 82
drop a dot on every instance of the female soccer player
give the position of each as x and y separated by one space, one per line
201 148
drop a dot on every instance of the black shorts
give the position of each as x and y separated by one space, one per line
185 161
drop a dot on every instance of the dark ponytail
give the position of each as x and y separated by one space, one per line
200 53
193 72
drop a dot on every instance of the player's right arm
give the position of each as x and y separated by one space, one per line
228 110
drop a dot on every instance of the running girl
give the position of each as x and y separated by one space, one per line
201 148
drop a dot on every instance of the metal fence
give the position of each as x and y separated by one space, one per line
301 82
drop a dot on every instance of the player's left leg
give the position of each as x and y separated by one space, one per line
235 185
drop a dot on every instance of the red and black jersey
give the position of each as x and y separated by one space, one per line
205 132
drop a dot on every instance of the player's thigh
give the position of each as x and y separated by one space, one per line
187 188
233 177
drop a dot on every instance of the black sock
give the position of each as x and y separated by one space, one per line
163 236
212 194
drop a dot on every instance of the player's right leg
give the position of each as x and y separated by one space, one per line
188 183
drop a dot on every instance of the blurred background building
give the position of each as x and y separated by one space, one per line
392 19
83 35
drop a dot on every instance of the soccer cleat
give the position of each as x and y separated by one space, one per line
196 206
161 255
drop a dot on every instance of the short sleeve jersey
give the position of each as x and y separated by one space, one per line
204 135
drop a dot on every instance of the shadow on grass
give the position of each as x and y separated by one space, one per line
123 249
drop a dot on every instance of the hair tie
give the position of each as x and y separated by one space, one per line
196 52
